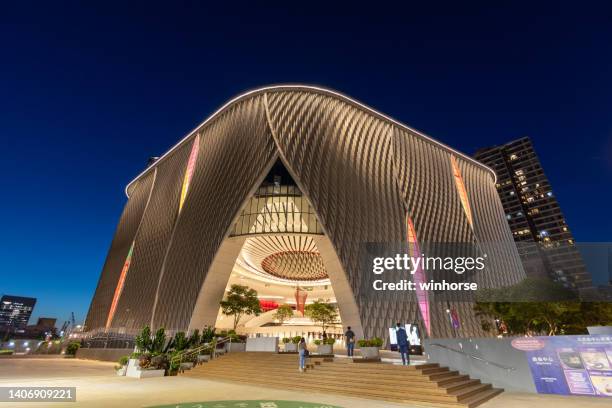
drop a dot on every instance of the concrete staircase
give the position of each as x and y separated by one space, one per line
426 384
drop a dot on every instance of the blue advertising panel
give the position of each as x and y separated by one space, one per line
569 365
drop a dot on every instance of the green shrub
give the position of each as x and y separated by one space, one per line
123 360
143 341
180 341
6 352
72 348
318 342
208 334
286 340
296 339
158 342
330 341
377 342
374 342
195 339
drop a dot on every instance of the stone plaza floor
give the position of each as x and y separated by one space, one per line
98 386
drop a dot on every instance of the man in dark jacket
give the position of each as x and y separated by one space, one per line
402 343
350 341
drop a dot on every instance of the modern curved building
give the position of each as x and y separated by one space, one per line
287 187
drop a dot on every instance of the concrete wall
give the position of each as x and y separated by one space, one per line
491 360
107 354
268 344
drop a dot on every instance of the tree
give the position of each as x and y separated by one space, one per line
283 313
536 306
321 313
241 300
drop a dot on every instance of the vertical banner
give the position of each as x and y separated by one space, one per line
193 156
419 275
463 196
119 288
569 365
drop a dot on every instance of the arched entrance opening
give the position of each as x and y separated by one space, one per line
278 247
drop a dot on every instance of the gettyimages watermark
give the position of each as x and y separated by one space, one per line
481 271
419 265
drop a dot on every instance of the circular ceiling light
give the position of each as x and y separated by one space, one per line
295 265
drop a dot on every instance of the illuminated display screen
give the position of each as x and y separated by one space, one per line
412 330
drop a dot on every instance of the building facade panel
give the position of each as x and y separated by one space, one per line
341 157
135 304
364 175
119 248
425 178
235 151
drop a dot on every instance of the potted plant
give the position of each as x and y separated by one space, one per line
72 348
325 346
291 344
122 367
237 342
370 348
206 353
144 362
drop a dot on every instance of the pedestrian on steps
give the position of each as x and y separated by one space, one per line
402 343
303 352
350 341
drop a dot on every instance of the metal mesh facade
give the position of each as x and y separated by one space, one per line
361 172
124 236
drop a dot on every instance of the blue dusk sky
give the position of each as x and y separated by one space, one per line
89 92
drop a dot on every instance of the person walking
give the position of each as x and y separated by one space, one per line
402 343
350 341
303 352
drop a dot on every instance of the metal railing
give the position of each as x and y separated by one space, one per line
107 340
475 357
188 355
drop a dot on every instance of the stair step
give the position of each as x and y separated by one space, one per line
313 379
428 384
363 393
482 397
341 388
421 381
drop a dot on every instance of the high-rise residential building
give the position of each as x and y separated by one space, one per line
544 240
15 311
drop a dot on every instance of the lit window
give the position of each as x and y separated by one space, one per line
519 214
511 193
513 157
519 172
508 216
549 194
543 233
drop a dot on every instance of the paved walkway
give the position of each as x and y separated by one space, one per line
98 386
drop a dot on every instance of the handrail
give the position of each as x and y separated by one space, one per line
475 357
190 352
